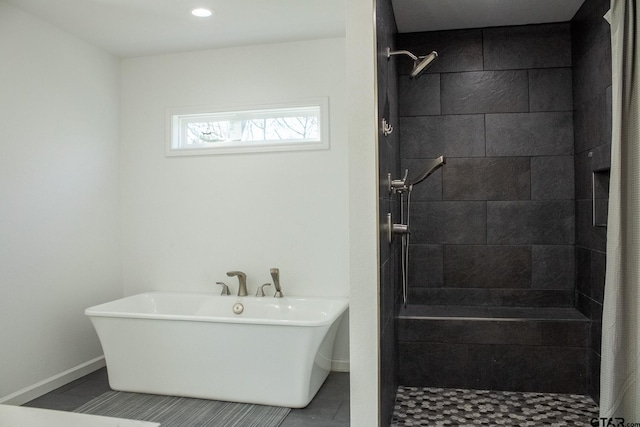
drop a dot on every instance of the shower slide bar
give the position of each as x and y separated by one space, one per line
404 186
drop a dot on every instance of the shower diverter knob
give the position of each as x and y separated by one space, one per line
395 228
400 229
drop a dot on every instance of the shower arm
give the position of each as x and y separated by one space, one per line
390 53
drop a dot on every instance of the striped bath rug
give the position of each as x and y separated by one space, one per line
172 411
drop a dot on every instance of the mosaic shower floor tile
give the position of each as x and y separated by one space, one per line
420 406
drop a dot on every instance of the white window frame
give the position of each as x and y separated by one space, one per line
177 118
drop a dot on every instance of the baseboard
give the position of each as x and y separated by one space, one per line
34 391
340 365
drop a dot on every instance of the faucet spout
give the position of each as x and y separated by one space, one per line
275 275
242 279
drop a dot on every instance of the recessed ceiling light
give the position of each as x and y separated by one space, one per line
201 13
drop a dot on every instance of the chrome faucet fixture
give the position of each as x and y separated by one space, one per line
432 166
398 185
260 290
275 275
225 288
242 278
420 63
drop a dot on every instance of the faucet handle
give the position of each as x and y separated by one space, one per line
260 291
225 288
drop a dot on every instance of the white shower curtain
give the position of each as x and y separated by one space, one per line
620 376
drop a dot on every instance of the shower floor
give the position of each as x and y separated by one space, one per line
421 406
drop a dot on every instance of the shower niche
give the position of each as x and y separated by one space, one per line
600 196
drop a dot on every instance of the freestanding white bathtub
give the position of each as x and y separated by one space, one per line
276 352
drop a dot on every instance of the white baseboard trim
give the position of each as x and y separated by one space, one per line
340 365
34 391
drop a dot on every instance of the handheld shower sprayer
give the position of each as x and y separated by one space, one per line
420 63
432 166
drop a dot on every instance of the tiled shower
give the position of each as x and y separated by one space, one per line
506 271
495 226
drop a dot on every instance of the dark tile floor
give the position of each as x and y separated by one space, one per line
329 408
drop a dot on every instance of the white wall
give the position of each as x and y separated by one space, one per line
59 250
363 215
189 220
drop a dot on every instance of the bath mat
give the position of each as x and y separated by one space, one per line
172 411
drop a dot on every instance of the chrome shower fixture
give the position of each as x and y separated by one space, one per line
398 185
432 166
420 63
404 187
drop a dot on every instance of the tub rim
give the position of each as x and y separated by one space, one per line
339 311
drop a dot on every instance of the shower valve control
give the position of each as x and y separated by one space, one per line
398 185
392 228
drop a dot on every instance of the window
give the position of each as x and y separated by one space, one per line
285 126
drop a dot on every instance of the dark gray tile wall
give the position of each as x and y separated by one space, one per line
592 124
529 134
445 222
519 349
487 178
550 89
526 47
419 97
492 354
485 92
552 178
389 162
496 225
553 267
531 222
481 266
425 137
555 369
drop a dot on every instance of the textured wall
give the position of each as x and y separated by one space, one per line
496 225
592 123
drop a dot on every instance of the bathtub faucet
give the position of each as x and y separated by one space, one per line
275 275
242 278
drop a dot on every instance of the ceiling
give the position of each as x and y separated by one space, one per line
433 15
129 28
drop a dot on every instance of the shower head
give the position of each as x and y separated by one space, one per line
432 166
420 63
